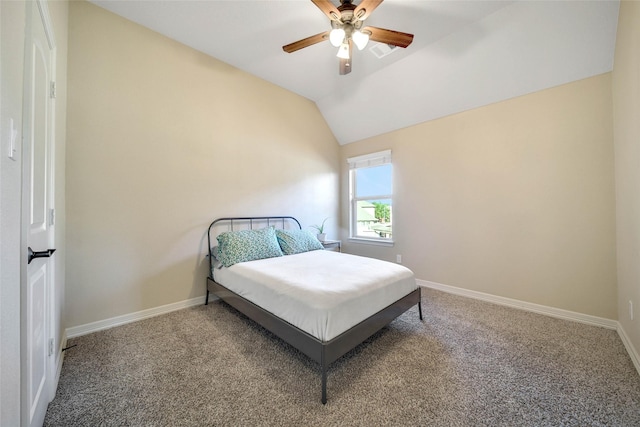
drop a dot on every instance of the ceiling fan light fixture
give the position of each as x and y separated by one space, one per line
336 36
343 51
360 39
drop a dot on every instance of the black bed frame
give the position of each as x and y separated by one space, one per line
323 352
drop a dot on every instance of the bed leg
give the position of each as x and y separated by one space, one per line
420 309
324 386
206 299
324 377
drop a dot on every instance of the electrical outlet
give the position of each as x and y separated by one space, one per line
631 309
399 259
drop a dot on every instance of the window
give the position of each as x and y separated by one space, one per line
371 197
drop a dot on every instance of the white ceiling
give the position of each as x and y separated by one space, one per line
465 54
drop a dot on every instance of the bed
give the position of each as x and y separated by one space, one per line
321 302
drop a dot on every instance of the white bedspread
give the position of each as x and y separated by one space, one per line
324 293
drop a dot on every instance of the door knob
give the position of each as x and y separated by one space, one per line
40 254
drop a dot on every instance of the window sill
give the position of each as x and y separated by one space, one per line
373 242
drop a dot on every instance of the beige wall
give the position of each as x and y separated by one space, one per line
163 139
626 107
515 199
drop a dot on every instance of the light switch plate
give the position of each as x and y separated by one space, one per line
13 133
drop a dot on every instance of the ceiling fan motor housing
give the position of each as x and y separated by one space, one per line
349 20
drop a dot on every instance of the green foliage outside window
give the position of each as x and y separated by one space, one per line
383 213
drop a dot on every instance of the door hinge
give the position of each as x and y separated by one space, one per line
52 91
52 217
50 346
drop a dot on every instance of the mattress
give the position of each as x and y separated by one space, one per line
324 293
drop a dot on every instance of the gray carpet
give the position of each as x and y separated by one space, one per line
469 363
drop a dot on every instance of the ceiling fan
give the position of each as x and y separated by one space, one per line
347 23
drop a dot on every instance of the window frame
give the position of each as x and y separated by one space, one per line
379 158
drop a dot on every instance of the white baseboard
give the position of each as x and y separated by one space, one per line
633 354
545 310
536 308
100 325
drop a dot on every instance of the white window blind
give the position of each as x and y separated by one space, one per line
369 160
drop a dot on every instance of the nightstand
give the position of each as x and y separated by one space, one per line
333 244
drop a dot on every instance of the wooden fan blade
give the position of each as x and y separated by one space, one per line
292 47
328 9
395 38
365 8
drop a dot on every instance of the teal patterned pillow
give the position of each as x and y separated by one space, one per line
297 241
247 245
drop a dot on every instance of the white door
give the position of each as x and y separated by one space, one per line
37 216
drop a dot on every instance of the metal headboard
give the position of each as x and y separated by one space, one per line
248 221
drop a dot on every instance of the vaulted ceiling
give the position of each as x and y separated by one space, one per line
465 54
